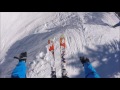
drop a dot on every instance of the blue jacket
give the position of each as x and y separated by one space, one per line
90 72
20 70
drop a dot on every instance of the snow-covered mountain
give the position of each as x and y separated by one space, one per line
87 34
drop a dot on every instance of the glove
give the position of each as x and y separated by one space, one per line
22 57
84 60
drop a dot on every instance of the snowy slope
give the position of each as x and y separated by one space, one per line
87 33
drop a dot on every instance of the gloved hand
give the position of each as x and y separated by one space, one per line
84 60
22 57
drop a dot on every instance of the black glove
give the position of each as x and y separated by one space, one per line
22 57
84 60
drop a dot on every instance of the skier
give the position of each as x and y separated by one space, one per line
90 72
20 69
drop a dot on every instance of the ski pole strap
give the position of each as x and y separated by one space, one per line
16 57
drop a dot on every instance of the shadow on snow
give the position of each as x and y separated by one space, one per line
95 18
108 56
33 44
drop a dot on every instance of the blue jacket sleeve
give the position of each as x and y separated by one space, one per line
20 70
90 72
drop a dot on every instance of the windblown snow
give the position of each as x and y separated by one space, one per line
87 34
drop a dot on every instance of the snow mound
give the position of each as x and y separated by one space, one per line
117 75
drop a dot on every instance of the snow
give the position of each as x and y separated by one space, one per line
87 33
96 64
41 55
117 75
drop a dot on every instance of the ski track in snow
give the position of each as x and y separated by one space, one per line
87 33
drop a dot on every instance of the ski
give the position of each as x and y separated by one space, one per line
51 49
63 60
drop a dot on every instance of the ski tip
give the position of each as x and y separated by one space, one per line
62 36
49 41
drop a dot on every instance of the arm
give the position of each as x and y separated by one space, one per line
20 70
90 72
